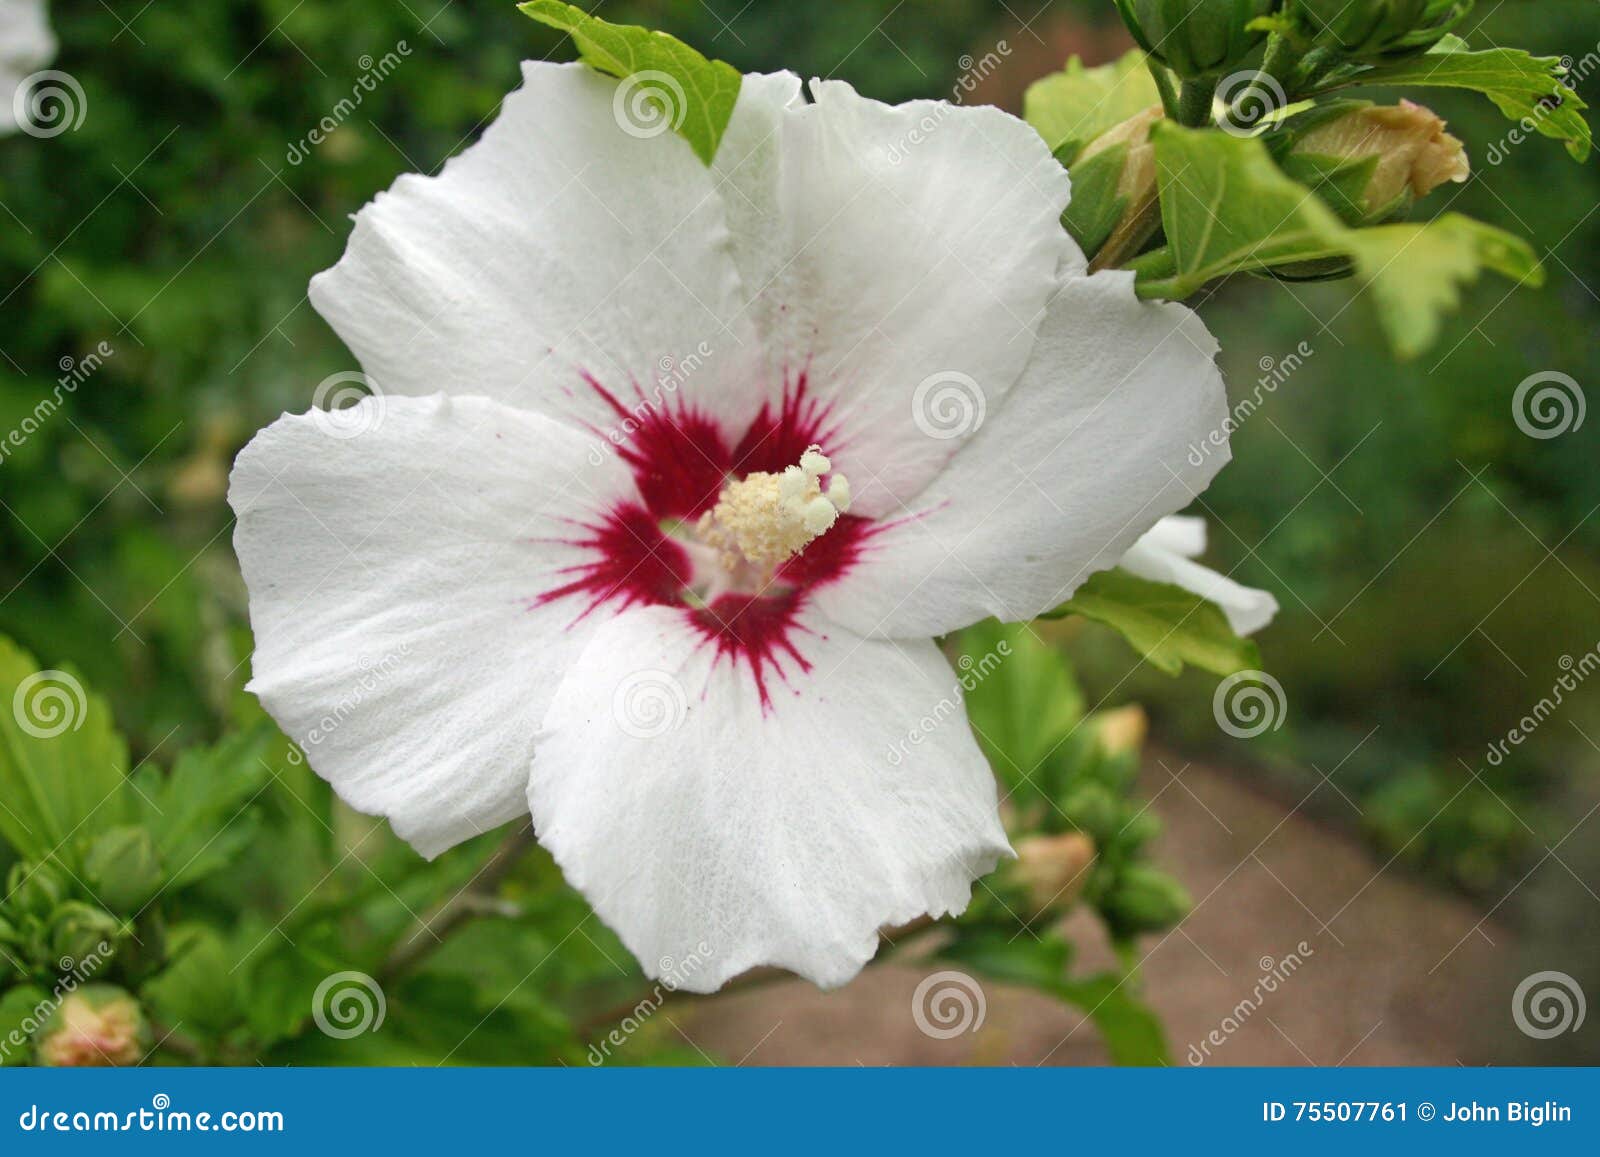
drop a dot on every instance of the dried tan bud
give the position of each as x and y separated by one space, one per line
1122 729
1415 154
1054 869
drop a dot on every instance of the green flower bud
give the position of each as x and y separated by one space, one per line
1145 900
35 889
1369 28
1115 179
1196 38
1371 163
81 931
98 1024
122 868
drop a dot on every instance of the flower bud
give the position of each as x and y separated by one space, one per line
79 930
1054 869
1145 900
1196 38
98 1024
35 889
1122 730
123 869
1372 162
1115 175
1371 28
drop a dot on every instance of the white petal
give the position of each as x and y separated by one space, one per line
391 575
704 827
1093 446
1161 557
557 246
896 246
26 46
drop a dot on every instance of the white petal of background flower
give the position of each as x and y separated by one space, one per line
1166 554
390 576
1086 454
26 46
783 836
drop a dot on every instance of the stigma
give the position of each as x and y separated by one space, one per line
763 519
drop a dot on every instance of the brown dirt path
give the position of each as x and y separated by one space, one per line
1392 971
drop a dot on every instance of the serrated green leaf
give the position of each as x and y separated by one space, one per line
1416 272
198 812
1523 86
1071 107
63 767
1167 624
696 94
1227 208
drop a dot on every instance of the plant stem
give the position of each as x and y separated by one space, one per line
1194 102
443 918
1169 98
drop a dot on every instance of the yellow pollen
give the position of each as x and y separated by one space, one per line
766 519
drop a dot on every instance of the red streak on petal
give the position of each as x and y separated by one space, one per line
634 564
677 454
756 630
778 437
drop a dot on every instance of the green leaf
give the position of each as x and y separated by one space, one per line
1071 107
1415 272
1021 695
199 989
1227 208
1130 1027
63 766
696 95
199 813
1524 87
1165 623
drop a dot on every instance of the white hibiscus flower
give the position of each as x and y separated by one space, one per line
26 46
1166 554
552 573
